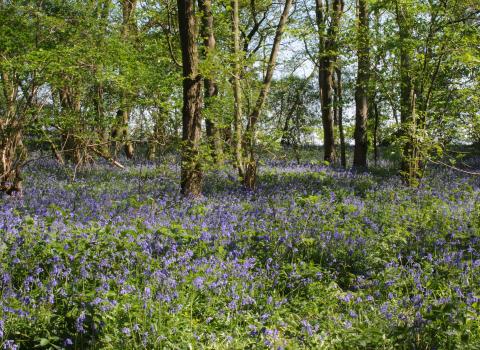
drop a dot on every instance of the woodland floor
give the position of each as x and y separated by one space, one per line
315 258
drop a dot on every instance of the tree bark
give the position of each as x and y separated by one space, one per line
128 26
210 86
374 101
328 46
375 131
250 176
410 163
12 150
237 93
191 173
361 88
339 108
101 127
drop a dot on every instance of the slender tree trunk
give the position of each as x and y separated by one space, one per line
103 11
250 177
156 136
237 92
375 132
361 89
410 162
152 145
191 173
373 88
211 88
101 128
286 134
128 26
339 108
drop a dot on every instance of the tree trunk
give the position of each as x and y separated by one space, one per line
72 147
361 89
339 108
125 117
100 127
12 156
237 93
328 45
286 134
156 136
128 26
250 177
410 162
191 173
373 88
375 132
12 150
210 86
326 83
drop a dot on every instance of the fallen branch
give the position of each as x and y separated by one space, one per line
455 168
110 159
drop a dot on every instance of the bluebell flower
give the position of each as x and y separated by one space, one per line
10 345
79 323
198 282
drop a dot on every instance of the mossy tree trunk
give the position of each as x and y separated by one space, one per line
361 88
191 173
210 85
